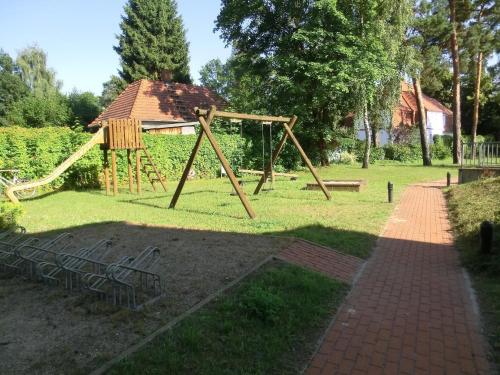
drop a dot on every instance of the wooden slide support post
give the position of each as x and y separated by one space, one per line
190 162
113 172
130 173
307 161
205 124
106 171
138 170
275 155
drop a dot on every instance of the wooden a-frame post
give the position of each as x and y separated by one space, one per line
206 131
288 124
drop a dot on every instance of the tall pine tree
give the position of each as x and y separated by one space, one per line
153 40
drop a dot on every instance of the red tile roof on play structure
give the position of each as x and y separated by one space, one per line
149 100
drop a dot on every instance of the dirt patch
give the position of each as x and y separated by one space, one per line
48 330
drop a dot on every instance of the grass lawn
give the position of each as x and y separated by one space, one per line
469 205
265 326
350 222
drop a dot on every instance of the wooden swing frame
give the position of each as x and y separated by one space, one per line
205 117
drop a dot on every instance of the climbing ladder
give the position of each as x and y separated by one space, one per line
151 170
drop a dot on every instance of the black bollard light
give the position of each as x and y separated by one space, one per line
448 179
390 187
486 234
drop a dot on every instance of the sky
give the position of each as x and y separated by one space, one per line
78 36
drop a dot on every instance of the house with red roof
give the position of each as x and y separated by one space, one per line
164 107
405 118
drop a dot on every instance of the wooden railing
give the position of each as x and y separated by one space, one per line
482 154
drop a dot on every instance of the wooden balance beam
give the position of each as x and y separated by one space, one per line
260 173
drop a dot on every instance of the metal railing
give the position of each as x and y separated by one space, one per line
480 154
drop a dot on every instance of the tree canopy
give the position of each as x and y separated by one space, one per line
321 59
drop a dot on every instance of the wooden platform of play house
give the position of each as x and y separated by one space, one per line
126 134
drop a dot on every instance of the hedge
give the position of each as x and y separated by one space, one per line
36 152
9 214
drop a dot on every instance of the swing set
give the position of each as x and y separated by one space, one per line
205 117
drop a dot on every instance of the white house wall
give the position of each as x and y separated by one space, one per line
186 130
435 123
382 136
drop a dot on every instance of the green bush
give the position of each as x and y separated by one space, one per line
36 152
376 153
347 158
439 150
403 152
9 214
262 304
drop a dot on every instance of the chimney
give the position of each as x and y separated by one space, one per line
166 75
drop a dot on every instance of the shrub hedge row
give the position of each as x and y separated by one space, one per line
9 214
36 152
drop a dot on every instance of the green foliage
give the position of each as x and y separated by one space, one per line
36 152
261 303
469 205
258 328
403 152
376 153
111 89
217 76
9 215
85 107
317 59
152 40
346 157
439 149
39 111
41 80
12 87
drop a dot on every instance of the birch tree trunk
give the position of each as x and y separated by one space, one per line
457 122
422 124
368 138
477 95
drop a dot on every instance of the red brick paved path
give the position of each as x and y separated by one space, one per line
319 258
410 311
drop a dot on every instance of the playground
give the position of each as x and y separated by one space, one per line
223 245
203 245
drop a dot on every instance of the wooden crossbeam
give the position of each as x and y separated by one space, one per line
242 116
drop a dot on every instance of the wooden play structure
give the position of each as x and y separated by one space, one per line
205 117
113 135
